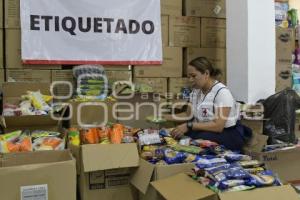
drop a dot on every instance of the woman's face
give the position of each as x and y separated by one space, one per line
196 78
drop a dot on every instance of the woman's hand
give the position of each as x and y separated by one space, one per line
179 131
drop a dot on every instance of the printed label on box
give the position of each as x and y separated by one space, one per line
96 180
109 178
34 192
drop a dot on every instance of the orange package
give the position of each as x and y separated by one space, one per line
53 142
26 145
117 134
90 136
12 147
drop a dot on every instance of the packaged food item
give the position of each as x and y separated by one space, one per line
255 170
204 143
164 132
38 101
207 163
187 149
250 164
74 136
104 135
15 142
173 157
117 134
234 157
237 173
89 136
240 188
147 155
170 141
230 183
148 137
185 141
48 143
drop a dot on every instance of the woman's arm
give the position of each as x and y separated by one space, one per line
216 125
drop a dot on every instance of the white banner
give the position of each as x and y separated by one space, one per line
91 32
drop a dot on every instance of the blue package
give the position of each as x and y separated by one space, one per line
224 185
232 157
164 133
237 173
173 157
221 168
207 163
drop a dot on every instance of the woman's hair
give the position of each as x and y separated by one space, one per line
202 64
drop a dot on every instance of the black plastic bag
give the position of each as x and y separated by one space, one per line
280 110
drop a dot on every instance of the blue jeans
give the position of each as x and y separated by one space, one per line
233 138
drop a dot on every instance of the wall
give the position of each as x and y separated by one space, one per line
251 49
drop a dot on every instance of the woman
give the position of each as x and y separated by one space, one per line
215 112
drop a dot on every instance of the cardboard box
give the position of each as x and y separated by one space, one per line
118 75
256 125
267 193
205 8
148 172
216 56
2 78
184 31
171 67
213 33
63 75
283 76
28 75
175 85
158 85
285 45
1 49
12 13
110 179
13 52
165 29
12 93
49 174
117 67
297 126
171 7
90 114
181 186
143 106
1 14
285 163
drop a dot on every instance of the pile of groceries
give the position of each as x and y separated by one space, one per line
33 103
25 141
217 168
110 134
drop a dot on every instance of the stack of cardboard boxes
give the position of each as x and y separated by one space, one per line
17 72
212 15
285 45
189 29
1 45
177 32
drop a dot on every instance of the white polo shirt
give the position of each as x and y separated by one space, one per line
204 106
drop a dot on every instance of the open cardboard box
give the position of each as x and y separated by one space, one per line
105 170
148 172
48 174
12 93
285 163
181 186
